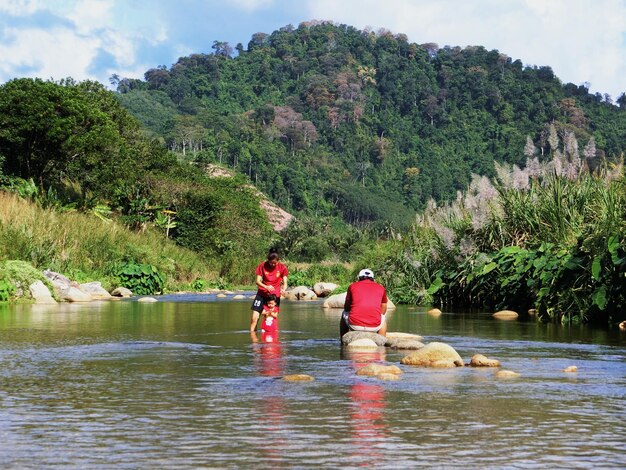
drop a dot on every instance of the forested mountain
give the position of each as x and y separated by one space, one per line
332 120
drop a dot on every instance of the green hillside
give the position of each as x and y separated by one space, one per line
330 120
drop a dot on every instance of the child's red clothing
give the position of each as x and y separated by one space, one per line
270 323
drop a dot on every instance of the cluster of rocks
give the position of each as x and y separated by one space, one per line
71 291
435 354
321 289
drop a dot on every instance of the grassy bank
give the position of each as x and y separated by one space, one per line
549 236
86 248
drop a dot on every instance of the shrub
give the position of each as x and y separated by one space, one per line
141 279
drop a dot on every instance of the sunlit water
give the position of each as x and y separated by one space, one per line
180 384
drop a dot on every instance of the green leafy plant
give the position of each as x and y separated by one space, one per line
141 279
7 290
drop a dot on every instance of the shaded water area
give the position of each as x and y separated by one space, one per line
180 384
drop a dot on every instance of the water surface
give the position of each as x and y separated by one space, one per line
181 384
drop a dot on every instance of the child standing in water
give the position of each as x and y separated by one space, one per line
270 316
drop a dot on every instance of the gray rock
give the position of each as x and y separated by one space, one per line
352 336
362 343
406 344
147 300
324 289
96 290
40 293
335 301
434 355
122 292
72 294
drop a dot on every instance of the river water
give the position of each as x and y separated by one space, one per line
181 384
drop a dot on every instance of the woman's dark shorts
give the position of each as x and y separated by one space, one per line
259 301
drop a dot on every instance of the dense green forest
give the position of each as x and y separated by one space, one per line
333 121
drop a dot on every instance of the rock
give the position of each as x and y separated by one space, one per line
352 336
335 301
478 360
239 296
399 335
431 354
622 325
405 344
571 369
390 305
122 292
435 312
300 293
147 300
59 282
385 376
298 378
221 296
72 294
532 312
363 343
507 374
324 289
443 364
95 290
376 369
40 293
506 315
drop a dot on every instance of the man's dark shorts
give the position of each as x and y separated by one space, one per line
259 301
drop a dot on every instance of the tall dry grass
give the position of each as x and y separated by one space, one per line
87 248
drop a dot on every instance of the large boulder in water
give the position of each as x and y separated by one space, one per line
335 301
40 293
434 355
324 289
300 293
95 290
352 336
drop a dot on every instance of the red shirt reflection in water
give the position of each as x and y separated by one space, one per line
368 406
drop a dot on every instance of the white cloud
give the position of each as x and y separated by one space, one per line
582 41
251 5
91 15
48 52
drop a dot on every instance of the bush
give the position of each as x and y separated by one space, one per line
141 279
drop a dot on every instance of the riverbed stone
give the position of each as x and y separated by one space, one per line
434 312
386 376
147 300
298 378
478 360
122 292
376 369
40 293
362 344
324 289
507 374
571 369
73 294
239 297
431 354
622 325
300 293
352 336
335 301
506 315
95 290
405 344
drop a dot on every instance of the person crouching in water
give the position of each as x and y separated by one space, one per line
365 306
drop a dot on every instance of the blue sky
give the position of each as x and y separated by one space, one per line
584 41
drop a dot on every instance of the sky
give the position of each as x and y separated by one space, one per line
584 41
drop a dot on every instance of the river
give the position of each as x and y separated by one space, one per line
180 384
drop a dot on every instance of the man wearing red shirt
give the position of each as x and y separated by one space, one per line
365 307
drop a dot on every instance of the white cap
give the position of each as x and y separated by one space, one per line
366 273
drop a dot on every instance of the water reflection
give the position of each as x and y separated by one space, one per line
368 401
269 359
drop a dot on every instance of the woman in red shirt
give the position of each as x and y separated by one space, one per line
271 275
